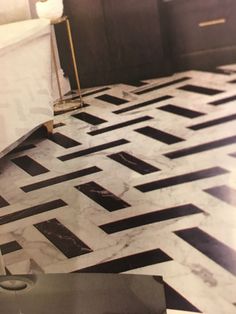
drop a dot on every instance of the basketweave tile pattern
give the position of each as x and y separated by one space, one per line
141 180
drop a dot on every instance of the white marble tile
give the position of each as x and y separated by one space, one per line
195 276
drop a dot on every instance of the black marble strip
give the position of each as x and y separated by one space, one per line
62 238
214 122
143 104
159 135
217 251
233 155
63 140
8 273
223 101
120 125
86 94
102 196
31 211
201 148
136 83
185 178
58 125
152 88
175 301
10 247
112 99
128 262
200 90
3 202
89 118
133 163
22 148
60 179
29 165
222 71
149 218
181 111
224 193
92 150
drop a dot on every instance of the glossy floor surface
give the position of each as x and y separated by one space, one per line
141 181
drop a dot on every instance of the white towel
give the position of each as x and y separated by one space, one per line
50 9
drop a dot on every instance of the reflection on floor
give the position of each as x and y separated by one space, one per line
140 181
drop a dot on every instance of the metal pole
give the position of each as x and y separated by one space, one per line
74 60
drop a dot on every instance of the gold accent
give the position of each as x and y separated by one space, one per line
64 102
49 127
74 59
59 20
212 22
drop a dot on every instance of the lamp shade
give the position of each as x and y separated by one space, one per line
50 9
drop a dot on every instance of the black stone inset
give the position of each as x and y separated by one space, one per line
152 88
22 148
133 163
120 125
62 238
59 179
175 301
63 140
223 101
58 125
143 104
217 251
185 178
159 135
181 111
128 262
201 148
92 150
102 196
8 273
112 99
10 247
29 165
149 218
31 211
3 202
136 83
224 193
89 118
200 90
214 122
93 92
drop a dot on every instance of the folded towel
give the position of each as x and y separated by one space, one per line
50 9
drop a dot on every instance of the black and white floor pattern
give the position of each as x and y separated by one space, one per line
141 180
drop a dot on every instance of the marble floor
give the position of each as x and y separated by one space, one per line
141 181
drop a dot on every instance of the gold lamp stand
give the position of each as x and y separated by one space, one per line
63 105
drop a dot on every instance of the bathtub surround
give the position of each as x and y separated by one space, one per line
26 101
14 10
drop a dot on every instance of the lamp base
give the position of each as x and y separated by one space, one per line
63 106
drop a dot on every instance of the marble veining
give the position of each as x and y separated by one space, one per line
141 180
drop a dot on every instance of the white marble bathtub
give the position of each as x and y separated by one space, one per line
25 80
